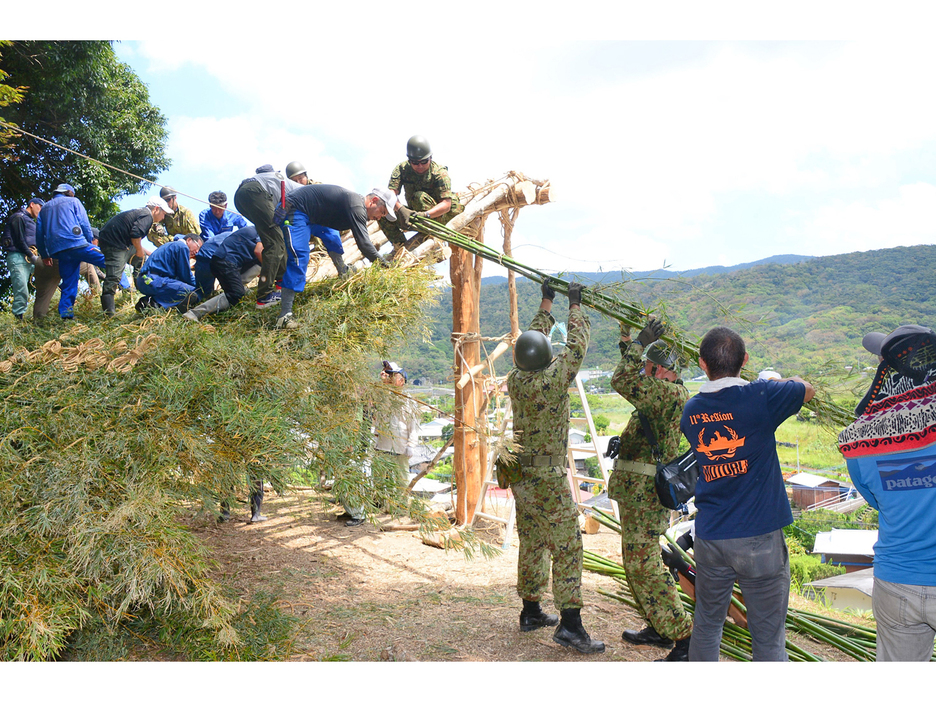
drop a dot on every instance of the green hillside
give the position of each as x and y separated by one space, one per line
801 317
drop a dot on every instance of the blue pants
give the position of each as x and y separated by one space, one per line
761 564
298 235
69 262
204 278
168 292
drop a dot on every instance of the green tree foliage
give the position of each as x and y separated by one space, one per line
78 95
99 466
9 95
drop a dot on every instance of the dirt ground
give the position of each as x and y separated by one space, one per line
371 595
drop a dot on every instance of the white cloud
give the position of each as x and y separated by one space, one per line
650 156
909 219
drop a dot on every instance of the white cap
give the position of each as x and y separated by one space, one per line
389 199
769 375
160 203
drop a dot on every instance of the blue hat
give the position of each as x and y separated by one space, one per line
265 168
37 201
64 188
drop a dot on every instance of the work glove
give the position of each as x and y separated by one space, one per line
403 217
382 261
650 333
548 292
279 215
575 293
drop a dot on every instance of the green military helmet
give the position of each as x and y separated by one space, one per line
295 168
417 148
660 354
533 351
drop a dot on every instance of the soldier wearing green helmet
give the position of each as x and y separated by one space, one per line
547 519
647 377
182 221
428 190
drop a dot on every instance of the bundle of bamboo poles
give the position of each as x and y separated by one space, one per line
859 642
626 313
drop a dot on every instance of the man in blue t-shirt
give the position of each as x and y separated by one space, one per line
740 496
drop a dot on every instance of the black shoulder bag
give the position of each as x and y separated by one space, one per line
675 481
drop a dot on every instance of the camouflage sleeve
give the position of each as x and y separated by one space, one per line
188 223
443 184
396 178
542 322
628 369
157 235
579 332
646 394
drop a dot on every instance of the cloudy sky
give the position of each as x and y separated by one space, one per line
660 152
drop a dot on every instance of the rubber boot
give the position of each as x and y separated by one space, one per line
533 617
107 304
572 634
188 303
256 502
225 512
340 265
218 303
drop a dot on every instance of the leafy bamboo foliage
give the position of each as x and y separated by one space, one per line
115 429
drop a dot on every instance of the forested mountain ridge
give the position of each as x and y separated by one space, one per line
796 317
667 273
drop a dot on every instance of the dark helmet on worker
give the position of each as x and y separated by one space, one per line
166 192
295 168
533 351
417 148
660 354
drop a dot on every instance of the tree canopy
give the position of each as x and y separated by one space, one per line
78 95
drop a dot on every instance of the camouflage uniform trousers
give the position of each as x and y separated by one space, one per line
643 519
424 203
547 522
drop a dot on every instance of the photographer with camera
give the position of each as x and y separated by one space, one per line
647 377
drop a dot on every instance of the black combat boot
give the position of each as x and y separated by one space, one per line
571 633
647 636
256 502
680 651
533 617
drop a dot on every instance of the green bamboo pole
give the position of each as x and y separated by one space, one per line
624 312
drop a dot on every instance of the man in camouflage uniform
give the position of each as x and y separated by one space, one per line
654 389
547 519
182 221
428 190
